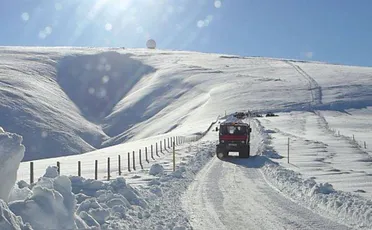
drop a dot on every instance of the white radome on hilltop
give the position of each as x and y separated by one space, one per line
151 44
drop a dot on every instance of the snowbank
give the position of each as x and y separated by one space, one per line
111 205
61 202
20 191
346 207
11 154
166 190
51 205
10 221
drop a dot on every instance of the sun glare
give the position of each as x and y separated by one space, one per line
124 21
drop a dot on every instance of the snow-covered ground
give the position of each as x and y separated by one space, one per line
108 102
318 151
66 101
260 194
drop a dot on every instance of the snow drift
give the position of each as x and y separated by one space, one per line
344 207
61 202
8 220
51 205
11 154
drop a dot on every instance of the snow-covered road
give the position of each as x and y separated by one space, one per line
234 194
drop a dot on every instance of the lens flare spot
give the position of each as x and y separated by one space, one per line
107 67
100 67
217 4
108 26
139 29
88 66
58 6
209 18
170 9
200 23
101 93
102 60
105 79
25 16
42 35
44 134
48 30
91 90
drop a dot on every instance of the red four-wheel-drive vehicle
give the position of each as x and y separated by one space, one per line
234 137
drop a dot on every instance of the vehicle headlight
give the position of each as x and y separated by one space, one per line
243 142
222 141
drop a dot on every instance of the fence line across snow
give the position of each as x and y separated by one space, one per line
115 164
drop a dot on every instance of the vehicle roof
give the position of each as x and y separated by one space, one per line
235 123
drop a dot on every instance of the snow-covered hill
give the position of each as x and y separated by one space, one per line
71 100
65 101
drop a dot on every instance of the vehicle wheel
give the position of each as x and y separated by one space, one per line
221 152
244 152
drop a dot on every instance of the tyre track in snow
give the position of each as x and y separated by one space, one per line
233 194
314 87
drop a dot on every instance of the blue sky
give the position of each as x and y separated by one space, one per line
335 31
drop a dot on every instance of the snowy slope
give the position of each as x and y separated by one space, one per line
318 151
66 101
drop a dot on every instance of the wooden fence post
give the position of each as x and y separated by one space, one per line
119 165
174 158
108 168
147 159
59 168
96 170
79 168
140 159
129 161
31 172
365 145
161 146
157 149
288 151
152 152
134 161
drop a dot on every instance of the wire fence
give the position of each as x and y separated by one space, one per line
109 166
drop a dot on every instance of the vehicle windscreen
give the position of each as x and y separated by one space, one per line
233 130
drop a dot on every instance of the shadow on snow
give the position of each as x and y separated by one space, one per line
254 161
